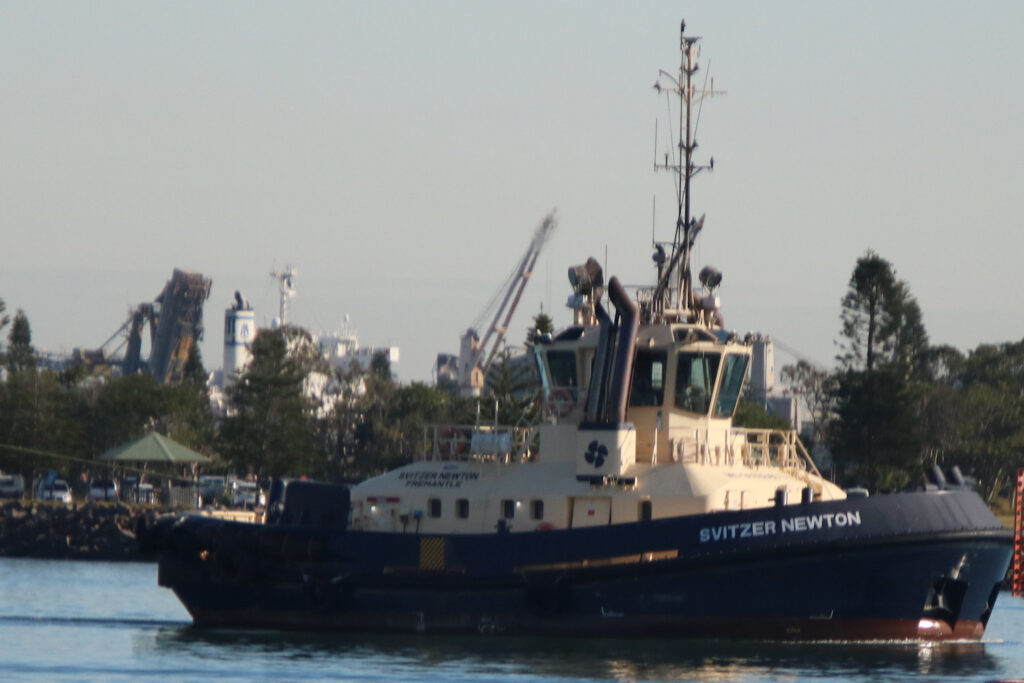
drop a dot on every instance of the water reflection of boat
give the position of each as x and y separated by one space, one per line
643 511
651 659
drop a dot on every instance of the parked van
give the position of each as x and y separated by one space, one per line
212 488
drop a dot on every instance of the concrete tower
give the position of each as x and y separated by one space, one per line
239 332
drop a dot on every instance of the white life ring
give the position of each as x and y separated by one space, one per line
560 402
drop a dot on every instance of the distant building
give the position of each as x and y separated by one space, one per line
341 350
775 400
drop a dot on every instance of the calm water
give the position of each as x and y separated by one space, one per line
62 620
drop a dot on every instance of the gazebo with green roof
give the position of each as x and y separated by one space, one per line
155 448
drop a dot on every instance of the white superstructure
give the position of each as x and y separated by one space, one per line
342 351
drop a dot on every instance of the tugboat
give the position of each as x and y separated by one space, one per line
636 508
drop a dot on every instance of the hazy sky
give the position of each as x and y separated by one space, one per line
400 154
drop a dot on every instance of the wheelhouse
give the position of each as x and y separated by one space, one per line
686 381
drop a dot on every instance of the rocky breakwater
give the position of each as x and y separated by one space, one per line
81 532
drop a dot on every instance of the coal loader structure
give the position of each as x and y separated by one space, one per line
636 508
175 321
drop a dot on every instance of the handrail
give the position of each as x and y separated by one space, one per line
484 443
795 456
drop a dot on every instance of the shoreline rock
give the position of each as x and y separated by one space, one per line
89 531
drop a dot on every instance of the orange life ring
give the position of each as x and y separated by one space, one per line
452 442
561 402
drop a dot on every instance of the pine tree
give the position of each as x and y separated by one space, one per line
20 354
514 385
875 435
542 324
380 366
4 319
36 411
268 430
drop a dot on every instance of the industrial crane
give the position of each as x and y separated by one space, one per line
476 356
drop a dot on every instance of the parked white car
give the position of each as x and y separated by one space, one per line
246 494
103 489
58 490
12 486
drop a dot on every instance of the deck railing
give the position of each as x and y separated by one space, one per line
775 448
751 447
483 443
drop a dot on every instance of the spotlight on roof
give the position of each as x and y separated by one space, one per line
586 278
710 277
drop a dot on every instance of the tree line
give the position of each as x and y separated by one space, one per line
893 405
288 414
896 405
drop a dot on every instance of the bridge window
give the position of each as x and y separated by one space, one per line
536 509
508 509
646 510
562 365
462 508
695 381
434 507
648 378
732 382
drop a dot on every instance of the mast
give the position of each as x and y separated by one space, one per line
684 168
687 67
286 290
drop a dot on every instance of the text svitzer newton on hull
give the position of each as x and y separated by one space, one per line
770 527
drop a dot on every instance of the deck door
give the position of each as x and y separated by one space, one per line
591 511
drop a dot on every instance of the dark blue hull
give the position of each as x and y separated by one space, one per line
905 566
